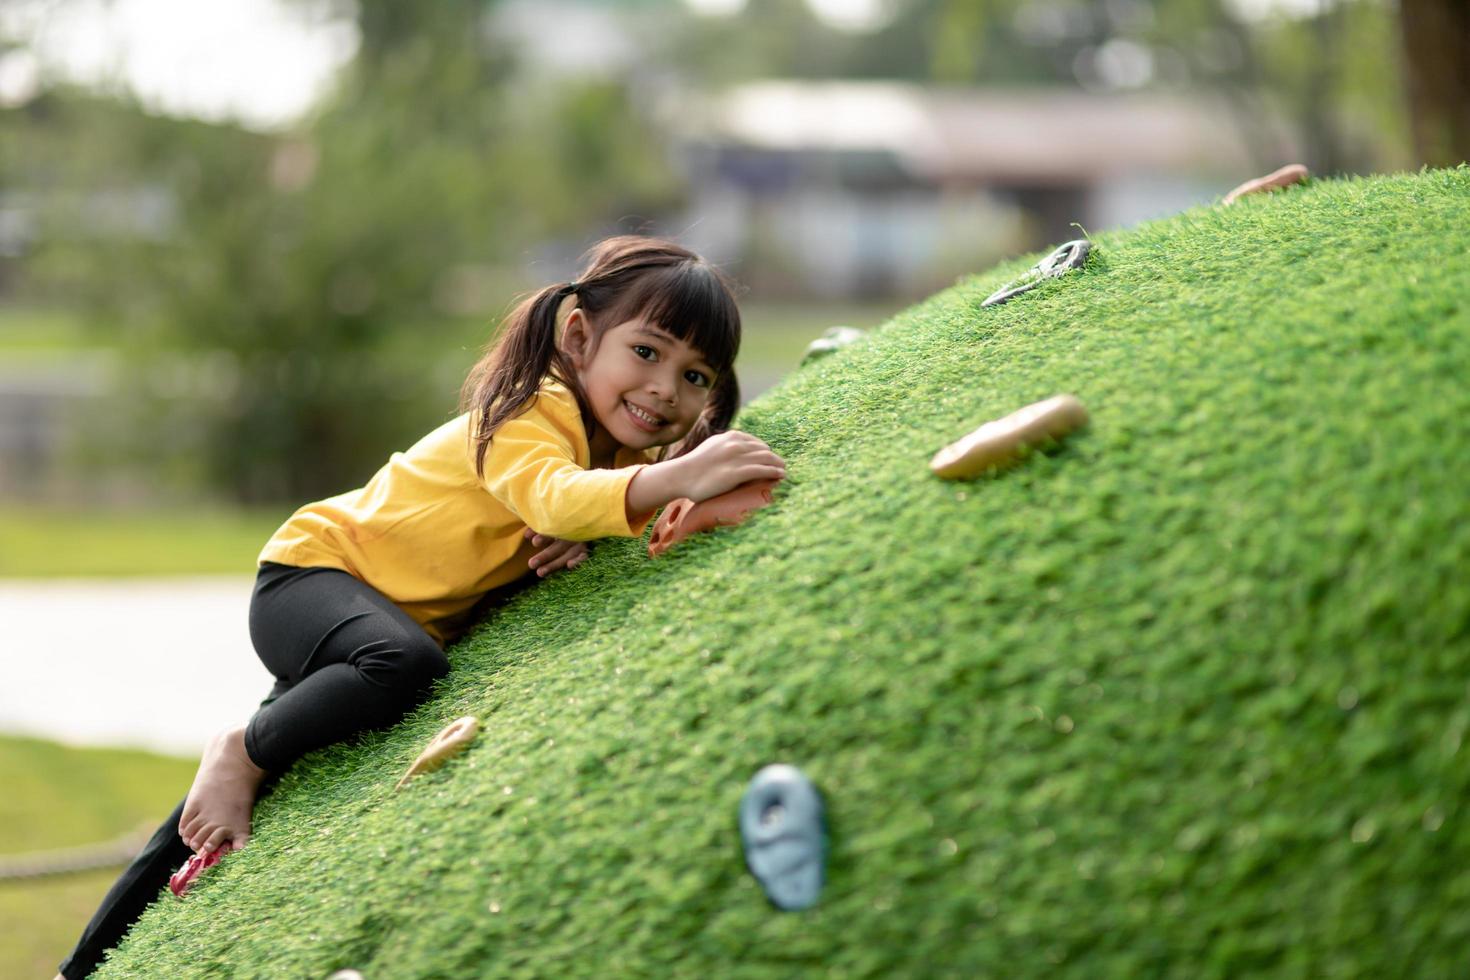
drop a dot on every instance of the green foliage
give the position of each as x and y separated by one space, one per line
295 263
1182 696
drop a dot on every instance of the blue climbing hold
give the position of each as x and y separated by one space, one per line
783 825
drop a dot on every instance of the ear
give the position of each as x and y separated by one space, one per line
576 339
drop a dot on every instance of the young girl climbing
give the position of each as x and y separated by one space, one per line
574 426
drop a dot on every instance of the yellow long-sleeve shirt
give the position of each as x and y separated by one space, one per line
434 538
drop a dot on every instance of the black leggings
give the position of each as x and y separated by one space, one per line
345 658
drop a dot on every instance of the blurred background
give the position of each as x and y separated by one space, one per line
248 250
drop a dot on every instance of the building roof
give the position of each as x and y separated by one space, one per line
992 135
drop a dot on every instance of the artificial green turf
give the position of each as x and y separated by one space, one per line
1183 696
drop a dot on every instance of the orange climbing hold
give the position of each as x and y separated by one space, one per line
684 517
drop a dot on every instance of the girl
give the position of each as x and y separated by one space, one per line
565 436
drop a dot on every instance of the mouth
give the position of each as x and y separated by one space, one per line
644 419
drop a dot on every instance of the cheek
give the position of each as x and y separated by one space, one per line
693 406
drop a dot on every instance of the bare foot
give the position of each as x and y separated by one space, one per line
223 795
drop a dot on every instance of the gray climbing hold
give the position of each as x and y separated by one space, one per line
833 339
783 826
1072 255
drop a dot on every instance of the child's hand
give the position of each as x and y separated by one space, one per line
557 554
725 461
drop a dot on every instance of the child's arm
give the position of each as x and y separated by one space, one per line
531 467
720 463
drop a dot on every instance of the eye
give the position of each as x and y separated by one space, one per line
640 348
697 379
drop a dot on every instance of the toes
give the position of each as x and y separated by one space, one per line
214 840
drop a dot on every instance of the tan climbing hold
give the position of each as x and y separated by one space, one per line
448 743
1292 173
684 517
1001 441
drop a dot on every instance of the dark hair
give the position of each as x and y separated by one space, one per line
625 277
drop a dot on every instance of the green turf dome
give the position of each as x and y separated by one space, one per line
1185 696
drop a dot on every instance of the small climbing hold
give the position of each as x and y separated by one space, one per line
197 863
1069 256
1292 173
784 830
346 975
832 339
449 742
1002 441
684 517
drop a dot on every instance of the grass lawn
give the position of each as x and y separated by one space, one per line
39 542
55 797
1184 696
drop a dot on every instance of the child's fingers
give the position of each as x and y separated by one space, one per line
567 559
759 471
548 555
768 463
760 454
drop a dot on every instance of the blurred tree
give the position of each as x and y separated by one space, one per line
1334 74
305 274
1436 36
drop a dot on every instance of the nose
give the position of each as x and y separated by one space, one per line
662 385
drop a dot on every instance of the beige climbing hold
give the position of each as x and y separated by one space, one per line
999 442
1292 173
449 742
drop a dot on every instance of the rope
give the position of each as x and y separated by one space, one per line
73 860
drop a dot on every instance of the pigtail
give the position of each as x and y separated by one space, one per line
511 371
625 276
719 412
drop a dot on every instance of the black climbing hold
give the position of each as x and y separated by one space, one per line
784 830
1072 255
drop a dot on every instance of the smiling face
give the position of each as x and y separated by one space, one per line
645 387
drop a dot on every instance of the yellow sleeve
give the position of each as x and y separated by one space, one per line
531 467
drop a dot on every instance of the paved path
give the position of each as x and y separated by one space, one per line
152 663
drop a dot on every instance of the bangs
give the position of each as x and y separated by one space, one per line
689 301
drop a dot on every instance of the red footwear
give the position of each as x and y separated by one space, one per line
184 877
